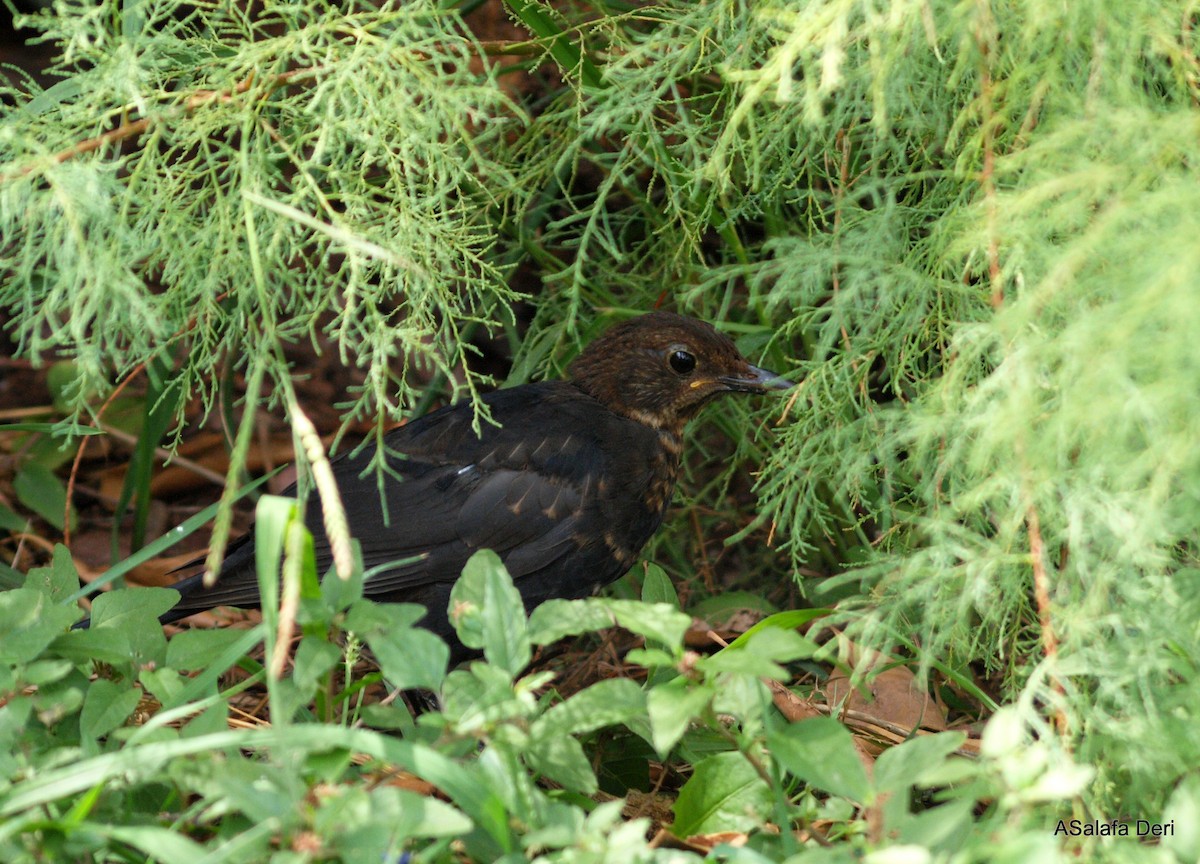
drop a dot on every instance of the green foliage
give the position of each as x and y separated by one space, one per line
967 228
79 777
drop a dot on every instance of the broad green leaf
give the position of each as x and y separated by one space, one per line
58 581
134 613
199 649
658 621
605 703
164 683
106 706
561 758
162 844
487 611
789 621
109 645
131 607
42 672
720 606
10 521
904 765
479 695
10 578
400 813
63 381
657 587
557 619
1183 811
30 621
342 593
313 659
368 616
949 823
39 489
724 793
672 707
410 656
821 752
760 655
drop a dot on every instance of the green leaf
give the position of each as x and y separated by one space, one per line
30 621
761 654
721 606
480 695
1183 811
199 649
487 611
672 707
906 764
10 521
133 612
790 620
42 672
272 515
314 658
341 593
10 578
410 657
163 844
658 621
164 683
365 617
110 645
106 706
724 793
58 581
393 818
661 622
821 752
129 608
39 489
605 703
657 587
63 379
949 824
557 619
562 760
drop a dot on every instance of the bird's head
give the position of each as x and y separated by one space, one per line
660 368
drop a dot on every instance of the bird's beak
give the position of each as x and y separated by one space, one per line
755 380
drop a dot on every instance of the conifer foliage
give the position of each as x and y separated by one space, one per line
968 229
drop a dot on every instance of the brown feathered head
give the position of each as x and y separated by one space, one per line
660 368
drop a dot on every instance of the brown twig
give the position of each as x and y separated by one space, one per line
133 128
1041 596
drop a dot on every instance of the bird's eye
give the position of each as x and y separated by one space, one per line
682 361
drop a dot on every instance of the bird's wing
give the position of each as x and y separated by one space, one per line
445 515
514 489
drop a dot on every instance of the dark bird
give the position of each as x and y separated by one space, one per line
567 488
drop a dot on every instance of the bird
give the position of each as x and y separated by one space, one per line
566 486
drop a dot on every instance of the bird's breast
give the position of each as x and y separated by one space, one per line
631 495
